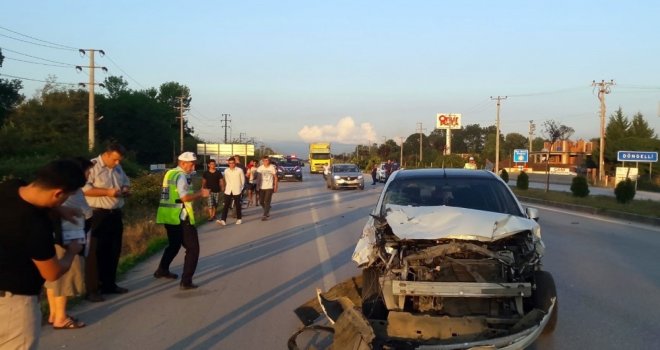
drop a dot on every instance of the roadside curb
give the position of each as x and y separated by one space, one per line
642 219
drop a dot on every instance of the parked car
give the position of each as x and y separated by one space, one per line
450 257
289 168
344 176
381 173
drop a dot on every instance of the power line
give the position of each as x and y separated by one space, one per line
43 41
123 71
30 79
32 43
548 92
39 58
40 63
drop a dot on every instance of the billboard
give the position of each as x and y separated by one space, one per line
216 149
520 155
448 121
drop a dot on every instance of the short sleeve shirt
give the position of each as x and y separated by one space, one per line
26 235
267 176
213 180
100 176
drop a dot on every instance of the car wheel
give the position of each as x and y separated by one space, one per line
542 298
373 306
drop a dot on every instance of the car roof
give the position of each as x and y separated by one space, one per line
446 172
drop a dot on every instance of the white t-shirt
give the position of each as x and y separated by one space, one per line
266 176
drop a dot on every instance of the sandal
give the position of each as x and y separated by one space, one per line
71 324
68 317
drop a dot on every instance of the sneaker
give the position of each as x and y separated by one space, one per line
188 286
166 274
221 222
264 218
239 221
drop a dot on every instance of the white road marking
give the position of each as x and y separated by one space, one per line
329 279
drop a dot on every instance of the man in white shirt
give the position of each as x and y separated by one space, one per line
232 186
267 184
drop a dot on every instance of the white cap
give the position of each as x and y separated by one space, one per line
188 157
471 158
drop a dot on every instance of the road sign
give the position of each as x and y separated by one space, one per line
520 155
635 156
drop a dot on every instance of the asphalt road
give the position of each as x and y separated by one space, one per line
252 276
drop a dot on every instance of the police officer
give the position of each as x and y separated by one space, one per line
175 210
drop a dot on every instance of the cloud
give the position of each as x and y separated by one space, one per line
345 131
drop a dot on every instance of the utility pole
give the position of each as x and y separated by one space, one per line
181 109
497 133
401 153
225 123
603 89
91 118
420 130
532 129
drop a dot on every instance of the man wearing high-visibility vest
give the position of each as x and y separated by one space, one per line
175 210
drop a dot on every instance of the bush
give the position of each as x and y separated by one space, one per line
504 175
625 191
579 186
523 181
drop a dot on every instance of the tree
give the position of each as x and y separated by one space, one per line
617 126
640 128
554 132
115 86
10 97
514 141
170 92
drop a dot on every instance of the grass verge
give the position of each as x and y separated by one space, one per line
607 203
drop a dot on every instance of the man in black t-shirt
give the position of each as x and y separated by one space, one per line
27 251
211 180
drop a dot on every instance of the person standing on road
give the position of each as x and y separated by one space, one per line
175 210
374 171
211 180
232 184
267 183
106 187
27 253
389 167
471 164
252 182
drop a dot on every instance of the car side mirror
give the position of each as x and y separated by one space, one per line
532 213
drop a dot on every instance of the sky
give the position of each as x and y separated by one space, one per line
294 72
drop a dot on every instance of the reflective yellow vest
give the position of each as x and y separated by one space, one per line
169 210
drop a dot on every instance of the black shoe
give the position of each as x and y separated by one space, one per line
115 290
167 274
188 286
95 298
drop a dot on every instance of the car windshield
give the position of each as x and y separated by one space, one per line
472 193
320 156
289 163
345 169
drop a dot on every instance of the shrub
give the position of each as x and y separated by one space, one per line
504 175
625 191
522 182
579 186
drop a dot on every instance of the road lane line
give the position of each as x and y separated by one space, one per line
329 279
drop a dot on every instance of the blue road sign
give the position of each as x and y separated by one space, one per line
520 155
635 156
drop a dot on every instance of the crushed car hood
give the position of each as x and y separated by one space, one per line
440 222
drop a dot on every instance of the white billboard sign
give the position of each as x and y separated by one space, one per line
215 149
448 121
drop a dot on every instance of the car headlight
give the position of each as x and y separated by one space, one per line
337 177
297 170
359 177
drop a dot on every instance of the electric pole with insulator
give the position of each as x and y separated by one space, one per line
532 128
604 88
91 118
225 123
497 133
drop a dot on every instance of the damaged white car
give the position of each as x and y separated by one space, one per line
451 260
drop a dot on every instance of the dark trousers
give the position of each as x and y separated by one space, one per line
227 204
91 268
373 178
183 234
264 199
107 229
